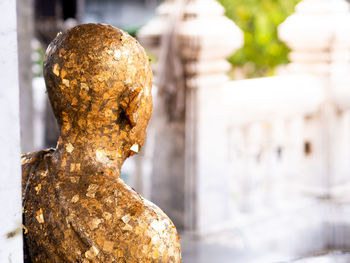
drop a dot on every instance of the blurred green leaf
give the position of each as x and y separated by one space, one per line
262 51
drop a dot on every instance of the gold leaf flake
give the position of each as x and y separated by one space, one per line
127 227
119 253
39 216
117 54
155 253
65 82
81 122
108 113
63 73
69 147
56 70
101 156
119 212
74 101
37 188
91 191
92 252
128 81
96 251
107 215
75 199
126 218
105 96
74 179
24 160
93 224
135 148
108 246
123 38
61 52
25 229
109 200
84 86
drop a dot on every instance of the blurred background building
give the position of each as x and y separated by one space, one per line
248 149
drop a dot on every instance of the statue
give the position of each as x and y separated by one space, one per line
76 208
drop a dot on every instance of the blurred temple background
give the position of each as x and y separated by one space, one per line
248 148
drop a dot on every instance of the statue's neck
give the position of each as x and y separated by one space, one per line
97 154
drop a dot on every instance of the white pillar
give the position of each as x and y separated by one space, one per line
11 249
319 36
206 38
25 34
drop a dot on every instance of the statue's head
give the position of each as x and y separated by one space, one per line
99 81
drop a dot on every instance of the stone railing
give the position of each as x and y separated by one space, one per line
273 147
286 170
274 151
264 134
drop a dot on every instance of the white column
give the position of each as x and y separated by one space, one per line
10 187
206 38
25 34
318 34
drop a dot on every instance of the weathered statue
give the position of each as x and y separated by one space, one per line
76 208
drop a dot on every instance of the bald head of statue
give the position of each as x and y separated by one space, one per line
99 82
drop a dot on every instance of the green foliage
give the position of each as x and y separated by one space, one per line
38 61
262 50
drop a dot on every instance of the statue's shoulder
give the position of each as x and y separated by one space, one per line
30 161
33 157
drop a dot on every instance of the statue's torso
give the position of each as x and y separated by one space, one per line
74 217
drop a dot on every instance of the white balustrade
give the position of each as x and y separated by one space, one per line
273 148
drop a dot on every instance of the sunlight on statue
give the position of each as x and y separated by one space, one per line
76 208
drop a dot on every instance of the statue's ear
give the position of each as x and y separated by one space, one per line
130 104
